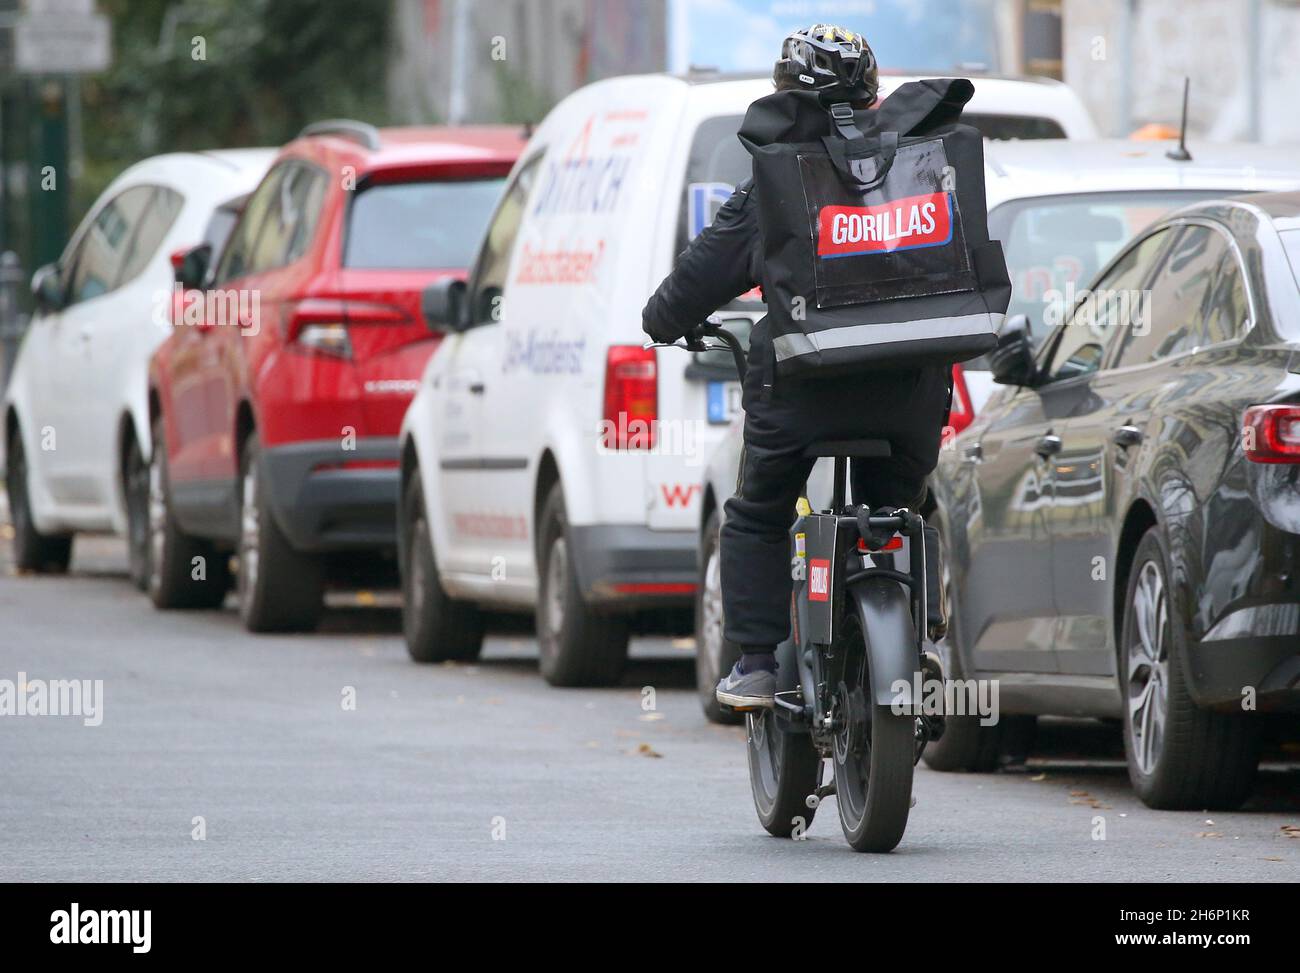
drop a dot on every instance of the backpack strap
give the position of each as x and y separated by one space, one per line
848 145
919 106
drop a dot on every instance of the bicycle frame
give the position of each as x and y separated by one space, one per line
885 588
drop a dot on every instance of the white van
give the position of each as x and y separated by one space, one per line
549 460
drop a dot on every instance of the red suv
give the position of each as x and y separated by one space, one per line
277 399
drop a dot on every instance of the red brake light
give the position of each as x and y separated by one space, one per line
962 414
895 543
1271 434
631 398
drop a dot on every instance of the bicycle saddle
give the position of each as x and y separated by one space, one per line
857 448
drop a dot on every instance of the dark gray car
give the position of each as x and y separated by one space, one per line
1122 520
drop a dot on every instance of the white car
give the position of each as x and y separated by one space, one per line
76 416
1061 210
550 462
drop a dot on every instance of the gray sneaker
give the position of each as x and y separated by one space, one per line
749 690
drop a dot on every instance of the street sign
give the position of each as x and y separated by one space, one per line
69 42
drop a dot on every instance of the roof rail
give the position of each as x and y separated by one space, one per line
360 132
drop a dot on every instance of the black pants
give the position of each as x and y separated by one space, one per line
906 407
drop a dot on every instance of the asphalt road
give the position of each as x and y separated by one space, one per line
482 772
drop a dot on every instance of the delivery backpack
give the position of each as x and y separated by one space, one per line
875 235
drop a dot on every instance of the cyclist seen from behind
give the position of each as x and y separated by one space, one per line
826 89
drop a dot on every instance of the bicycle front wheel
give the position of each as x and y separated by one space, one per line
873 752
783 772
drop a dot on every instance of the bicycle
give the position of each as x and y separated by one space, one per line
850 677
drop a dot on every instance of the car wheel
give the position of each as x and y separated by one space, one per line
280 589
968 746
437 628
181 571
714 654
578 645
1180 756
33 551
135 489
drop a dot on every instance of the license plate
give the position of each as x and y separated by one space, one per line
724 402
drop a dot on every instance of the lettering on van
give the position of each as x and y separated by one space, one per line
501 527
585 182
543 354
903 224
541 267
590 185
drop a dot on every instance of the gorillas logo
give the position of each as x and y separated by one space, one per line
904 224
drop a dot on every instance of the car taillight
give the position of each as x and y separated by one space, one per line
321 324
1271 434
962 413
631 398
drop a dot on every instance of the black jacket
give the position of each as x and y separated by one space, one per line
722 263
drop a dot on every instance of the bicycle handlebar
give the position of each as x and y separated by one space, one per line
694 341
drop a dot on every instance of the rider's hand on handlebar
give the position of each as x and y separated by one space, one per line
695 339
663 333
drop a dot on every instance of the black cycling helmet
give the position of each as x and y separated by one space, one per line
828 59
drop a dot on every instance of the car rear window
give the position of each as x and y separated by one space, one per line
419 225
1055 245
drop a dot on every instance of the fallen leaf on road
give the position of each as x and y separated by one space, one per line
650 717
1291 830
1083 797
1272 859
1039 777
646 750
1209 834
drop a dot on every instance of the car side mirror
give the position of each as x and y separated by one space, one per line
1012 361
47 289
190 266
443 305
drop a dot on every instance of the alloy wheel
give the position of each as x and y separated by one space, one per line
1148 667
556 572
711 621
249 526
157 516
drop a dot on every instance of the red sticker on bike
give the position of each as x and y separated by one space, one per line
903 224
819 579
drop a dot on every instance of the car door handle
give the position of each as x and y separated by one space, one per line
974 452
1126 436
1049 445
477 388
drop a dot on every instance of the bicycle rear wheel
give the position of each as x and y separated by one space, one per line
873 752
783 771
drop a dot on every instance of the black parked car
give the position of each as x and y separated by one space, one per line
1122 521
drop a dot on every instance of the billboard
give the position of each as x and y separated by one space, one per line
745 36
